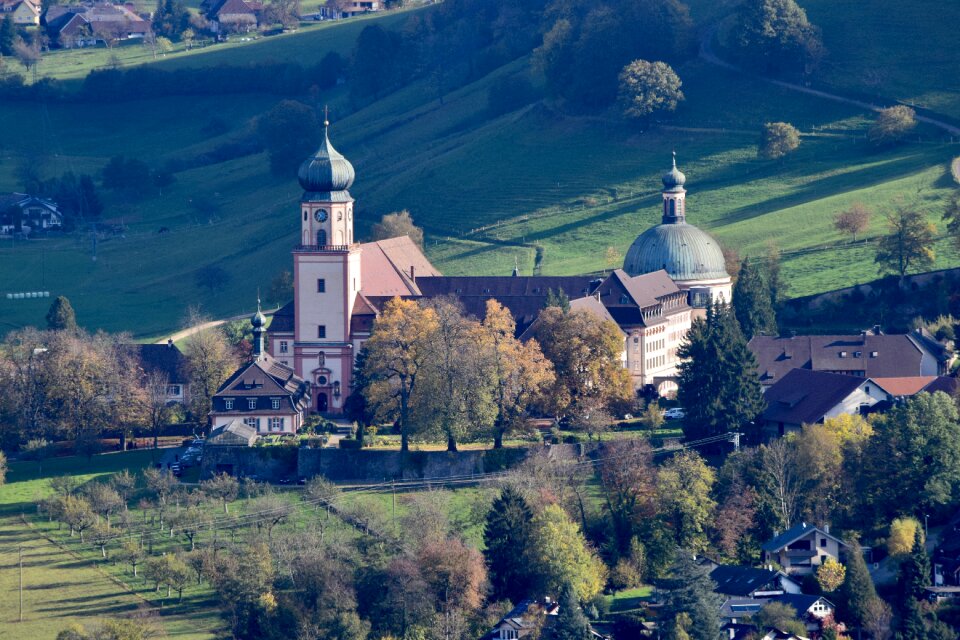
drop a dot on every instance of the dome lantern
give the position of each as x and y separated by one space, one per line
674 179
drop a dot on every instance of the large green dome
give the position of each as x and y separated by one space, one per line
684 251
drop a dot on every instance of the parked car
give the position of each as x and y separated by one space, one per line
675 413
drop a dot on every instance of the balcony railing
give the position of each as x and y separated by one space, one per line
342 248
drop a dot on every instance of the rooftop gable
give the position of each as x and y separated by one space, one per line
805 397
793 534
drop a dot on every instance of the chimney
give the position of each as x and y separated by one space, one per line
826 528
412 274
169 342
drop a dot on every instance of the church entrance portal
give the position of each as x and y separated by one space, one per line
321 403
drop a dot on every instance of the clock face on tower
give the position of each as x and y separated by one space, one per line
320 215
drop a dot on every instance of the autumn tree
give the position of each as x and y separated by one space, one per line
854 220
718 384
648 87
61 316
456 578
519 372
892 124
561 555
781 617
222 487
778 140
397 351
908 243
753 301
506 537
902 534
104 500
209 361
830 575
156 410
395 225
26 378
628 478
75 511
684 484
585 351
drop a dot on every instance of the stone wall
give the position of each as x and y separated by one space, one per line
342 465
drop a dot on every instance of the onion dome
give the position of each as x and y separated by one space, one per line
258 320
674 179
683 250
327 170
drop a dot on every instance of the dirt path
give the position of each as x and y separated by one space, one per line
707 54
189 331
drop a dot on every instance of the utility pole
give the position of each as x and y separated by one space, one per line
20 561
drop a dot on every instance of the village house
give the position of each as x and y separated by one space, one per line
233 16
530 618
264 394
87 25
870 354
734 581
671 273
811 610
24 13
339 9
25 214
801 549
804 397
167 362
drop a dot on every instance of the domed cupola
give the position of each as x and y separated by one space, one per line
674 179
327 171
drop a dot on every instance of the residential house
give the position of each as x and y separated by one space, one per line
870 354
25 214
24 13
338 9
168 362
530 618
801 549
905 387
233 16
749 582
264 393
86 25
804 396
811 610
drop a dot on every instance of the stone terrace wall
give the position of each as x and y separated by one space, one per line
342 465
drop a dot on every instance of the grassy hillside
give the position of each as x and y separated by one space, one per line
572 185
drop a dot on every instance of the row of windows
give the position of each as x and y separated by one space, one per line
657 361
274 424
252 403
656 345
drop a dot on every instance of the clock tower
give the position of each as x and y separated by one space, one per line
326 277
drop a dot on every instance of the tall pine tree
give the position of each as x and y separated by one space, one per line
753 301
857 591
690 591
571 624
8 35
718 383
507 538
915 571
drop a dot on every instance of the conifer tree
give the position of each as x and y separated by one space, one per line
690 591
911 621
8 35
718 382
507 538
61 316
753 301
571 624
857 591
915 571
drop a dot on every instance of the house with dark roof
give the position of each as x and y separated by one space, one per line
870 354
264 394
804 396
25 214
530 618
750 582
802 548
811 610
165 362
92 23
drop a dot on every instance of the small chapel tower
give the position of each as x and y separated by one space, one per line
674 195
326 276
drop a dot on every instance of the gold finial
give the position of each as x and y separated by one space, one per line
674 158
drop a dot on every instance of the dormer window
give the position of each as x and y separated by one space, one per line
624 299
874 354
843 354
275 403
857 354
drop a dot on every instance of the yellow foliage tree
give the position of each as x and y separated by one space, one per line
830 575
902 533
561 555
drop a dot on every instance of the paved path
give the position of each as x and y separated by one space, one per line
708 55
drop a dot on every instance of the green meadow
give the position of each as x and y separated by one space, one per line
490 191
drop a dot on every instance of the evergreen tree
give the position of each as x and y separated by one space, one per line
915 571
507 537
753 301
8 36
558 298
571 624
857 591
911 622
356 406
718 382
690 591
61 317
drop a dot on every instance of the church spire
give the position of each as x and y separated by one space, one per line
259 329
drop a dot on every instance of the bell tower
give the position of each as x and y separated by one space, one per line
674 195
326 270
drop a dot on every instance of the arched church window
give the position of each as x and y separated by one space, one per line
322 359
304 215
673 207
322 237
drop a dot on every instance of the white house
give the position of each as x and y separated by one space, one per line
801 549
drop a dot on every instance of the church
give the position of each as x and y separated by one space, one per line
670 274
